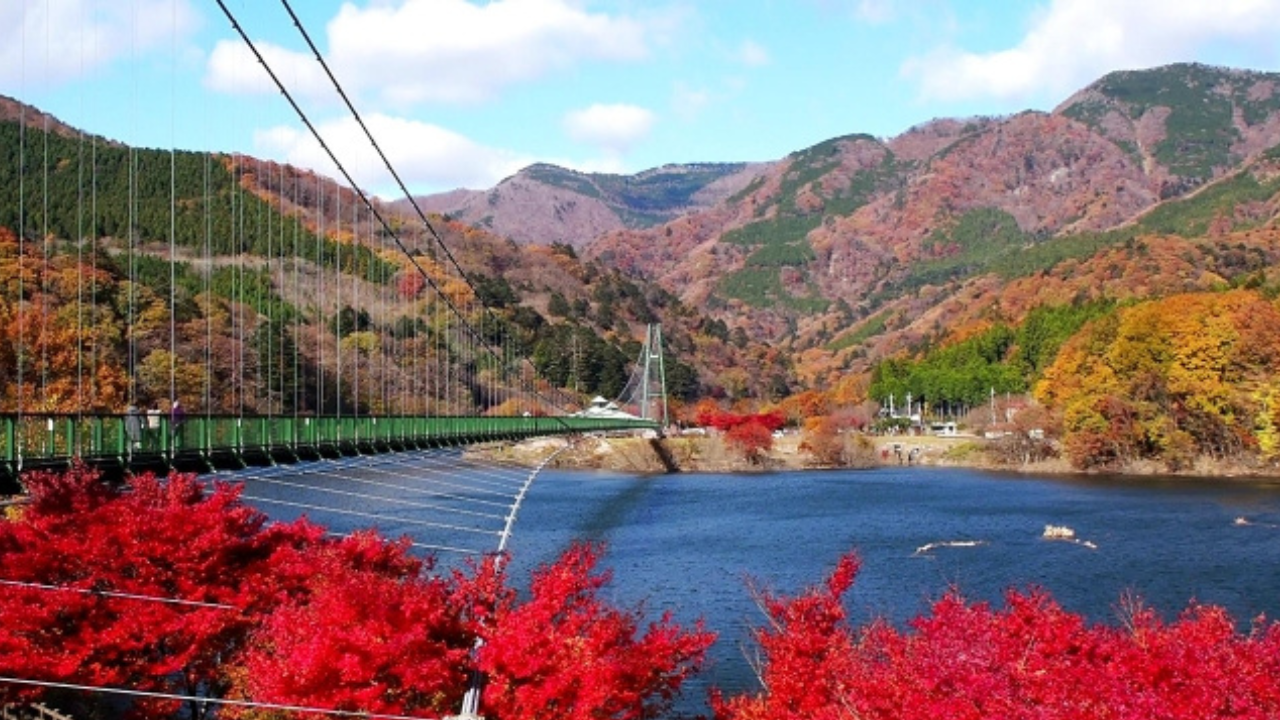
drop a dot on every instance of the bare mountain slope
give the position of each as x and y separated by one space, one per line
545 204
833 233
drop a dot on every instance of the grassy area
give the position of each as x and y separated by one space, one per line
1191 216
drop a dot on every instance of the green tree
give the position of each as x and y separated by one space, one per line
558 306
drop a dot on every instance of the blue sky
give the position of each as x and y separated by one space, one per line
463 93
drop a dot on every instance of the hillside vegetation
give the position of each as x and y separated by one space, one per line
921 264
242 286
960 260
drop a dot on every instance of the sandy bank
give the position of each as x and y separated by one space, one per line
633 454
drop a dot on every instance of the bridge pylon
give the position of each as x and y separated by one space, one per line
653 380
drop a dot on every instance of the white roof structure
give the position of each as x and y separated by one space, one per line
601 408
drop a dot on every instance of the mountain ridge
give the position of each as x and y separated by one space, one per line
808 271
1053 174
544 203
856 229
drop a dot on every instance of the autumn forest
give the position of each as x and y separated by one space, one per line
1125 324
1098 284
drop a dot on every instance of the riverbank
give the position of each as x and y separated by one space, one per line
709 453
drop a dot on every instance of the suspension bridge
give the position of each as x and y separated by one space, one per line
200 311
203 311
155 441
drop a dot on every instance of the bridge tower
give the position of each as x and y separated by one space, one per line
653 381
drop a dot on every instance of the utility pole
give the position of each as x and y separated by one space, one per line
574 360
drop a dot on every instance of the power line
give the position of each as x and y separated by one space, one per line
205 699
112 594
387 163
472 332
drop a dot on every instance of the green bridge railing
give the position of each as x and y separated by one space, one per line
36 440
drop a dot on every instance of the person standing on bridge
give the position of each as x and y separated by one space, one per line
153 427
133 427
177 416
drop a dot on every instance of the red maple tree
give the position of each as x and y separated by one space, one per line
167 586
1031 659
711 416
751 434
565 653
373 633
157 584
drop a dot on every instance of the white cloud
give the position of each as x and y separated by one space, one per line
871 12
459 52
613 128
232 68
688 102
752 54
875 12
48 43
427 157
1073 42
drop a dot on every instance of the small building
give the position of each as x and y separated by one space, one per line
601 408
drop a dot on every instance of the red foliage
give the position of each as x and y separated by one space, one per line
752 435
565 654
806 654
406 652
726 421
751 438
157 540
409 283
282 614
1029 660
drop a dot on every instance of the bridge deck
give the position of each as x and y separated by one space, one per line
205 442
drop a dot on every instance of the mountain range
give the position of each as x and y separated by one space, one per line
860 247
802 273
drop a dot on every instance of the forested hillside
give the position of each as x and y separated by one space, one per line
951 263
958 262
858 230
134 276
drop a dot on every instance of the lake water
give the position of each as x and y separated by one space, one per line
689 542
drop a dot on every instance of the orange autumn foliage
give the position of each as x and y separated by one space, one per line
1168 380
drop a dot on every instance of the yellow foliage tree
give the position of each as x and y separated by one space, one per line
162 376
1169 379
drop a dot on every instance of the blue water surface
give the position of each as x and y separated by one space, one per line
694 544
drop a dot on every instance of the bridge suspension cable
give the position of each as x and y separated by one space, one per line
646 388
386 162
474 337
228 251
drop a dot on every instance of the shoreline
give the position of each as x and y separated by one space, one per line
699 454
